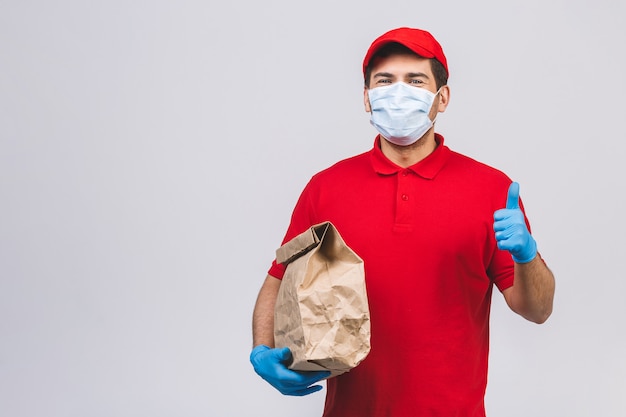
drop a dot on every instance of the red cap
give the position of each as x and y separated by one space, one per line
417 40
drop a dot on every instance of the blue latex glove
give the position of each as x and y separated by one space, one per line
271 365
511 231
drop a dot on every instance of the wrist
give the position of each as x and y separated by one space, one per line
258 349
528 253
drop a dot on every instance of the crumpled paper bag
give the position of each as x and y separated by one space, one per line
321 312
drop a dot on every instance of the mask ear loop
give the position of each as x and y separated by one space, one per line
431 106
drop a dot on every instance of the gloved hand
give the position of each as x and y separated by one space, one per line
271 365
511 231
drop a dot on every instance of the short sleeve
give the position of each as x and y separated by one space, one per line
302 218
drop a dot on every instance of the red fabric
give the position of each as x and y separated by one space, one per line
417 40
426 237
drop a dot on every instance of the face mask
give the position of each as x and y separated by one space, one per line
400 112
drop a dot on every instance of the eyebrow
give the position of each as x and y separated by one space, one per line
417 74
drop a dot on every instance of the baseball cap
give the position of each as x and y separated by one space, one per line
417 40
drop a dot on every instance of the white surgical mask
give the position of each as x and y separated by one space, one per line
400 112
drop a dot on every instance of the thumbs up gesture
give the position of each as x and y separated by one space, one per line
511 231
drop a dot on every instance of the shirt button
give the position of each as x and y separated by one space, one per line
405 197
405 173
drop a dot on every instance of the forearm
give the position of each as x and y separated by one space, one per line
263 316
532 293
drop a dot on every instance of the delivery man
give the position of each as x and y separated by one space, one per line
436 230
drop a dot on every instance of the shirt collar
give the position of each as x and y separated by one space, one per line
427 168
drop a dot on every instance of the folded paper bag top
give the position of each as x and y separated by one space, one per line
321 312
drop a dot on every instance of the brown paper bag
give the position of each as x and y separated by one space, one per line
321 312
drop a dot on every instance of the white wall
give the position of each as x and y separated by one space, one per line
151 153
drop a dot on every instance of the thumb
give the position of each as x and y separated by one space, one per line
284 355
512 198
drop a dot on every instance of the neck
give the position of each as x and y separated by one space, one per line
405 156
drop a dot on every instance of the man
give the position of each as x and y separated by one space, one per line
436 230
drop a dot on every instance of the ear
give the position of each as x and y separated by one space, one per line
366 100
444 99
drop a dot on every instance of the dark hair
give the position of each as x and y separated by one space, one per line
394 48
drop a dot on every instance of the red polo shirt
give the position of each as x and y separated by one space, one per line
425 234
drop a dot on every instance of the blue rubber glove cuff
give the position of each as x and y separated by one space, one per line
527 253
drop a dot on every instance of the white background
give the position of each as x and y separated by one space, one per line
151 153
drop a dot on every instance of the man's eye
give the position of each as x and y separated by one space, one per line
384 81
416 82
